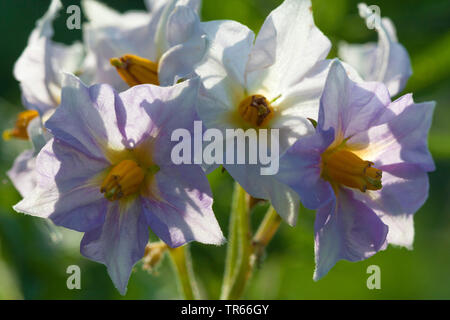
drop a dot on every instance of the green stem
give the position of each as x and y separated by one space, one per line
181 259
265 233
237 265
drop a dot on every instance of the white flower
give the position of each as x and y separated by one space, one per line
282 73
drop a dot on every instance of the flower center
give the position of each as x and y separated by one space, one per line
125 178
20 130
135 70
256 110
343 167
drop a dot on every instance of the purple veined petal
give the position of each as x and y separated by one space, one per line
22 173
395 108
300 169
65 191
188 46
346 229
402 139
350 107
223 69
183 212
405 190
153 111
285 200
294 35
119 243
86 118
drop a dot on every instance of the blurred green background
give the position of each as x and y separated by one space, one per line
33 265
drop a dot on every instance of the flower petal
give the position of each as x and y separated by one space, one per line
293 35
350 107
402 139
405 189
299 103
38 135
119 243
184 211
223 69
65 192
346 229
84 118
387 61
22 173
188 46
40 64
148 110
300 169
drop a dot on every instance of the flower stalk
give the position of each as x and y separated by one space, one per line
182 262
243 251
265 233
237 265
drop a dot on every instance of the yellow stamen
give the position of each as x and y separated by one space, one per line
135 70
124 179
343 167
256 110
20 130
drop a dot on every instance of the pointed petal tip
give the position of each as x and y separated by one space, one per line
318 275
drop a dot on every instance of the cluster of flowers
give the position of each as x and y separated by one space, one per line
101 158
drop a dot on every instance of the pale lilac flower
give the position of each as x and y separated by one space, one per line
365 169
108 173
167 41
283 72
386 61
